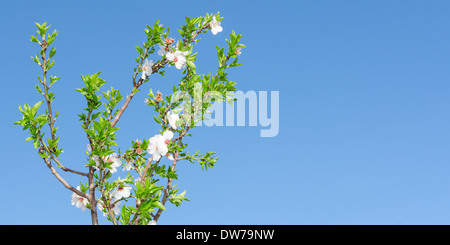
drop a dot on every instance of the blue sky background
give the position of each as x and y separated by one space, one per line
364 109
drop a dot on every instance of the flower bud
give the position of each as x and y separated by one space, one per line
138 147
158 97
169 41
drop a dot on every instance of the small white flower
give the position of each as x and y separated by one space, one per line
179 58
97 161
152 222
215 26
123 190
163 50
169 156
158 144
137 180
116 162
128 165
102 207
173 118
168 135
147 69
116 208
155 147
79 201
94 157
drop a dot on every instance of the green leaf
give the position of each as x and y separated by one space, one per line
53 79
34 39
36 59
36 144
38 25
146 206
160 205
38 89
191 64
36 107
52 52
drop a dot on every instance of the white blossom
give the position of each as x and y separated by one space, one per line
94 157
169 156
114 158
155 147
128 165
168 135
147 69
79 201
163 50
152 222
137 180
215 26
115 208
123 190
116 162
97 161
158 144
173 118
179 58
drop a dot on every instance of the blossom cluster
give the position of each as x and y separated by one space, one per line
123 190
158 145
113 160
177 57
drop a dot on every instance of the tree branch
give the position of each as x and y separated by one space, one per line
167 189
63 181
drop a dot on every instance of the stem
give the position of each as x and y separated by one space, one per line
106 204
144 173
92 201
108 208
91 197
64 182
51 121
45 147
168 188
143 176
186 41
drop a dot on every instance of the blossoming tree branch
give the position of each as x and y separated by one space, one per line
150 164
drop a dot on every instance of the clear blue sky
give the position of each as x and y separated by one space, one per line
364 109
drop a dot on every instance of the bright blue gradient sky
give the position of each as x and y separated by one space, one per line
364 109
